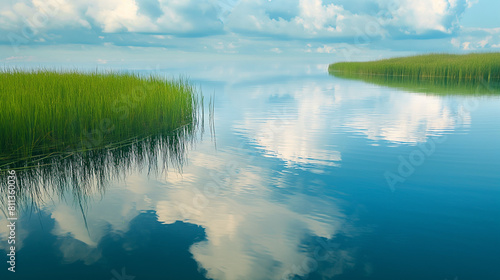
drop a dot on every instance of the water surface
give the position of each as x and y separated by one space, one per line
302 176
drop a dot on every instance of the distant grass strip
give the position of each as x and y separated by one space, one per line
45 111
476 67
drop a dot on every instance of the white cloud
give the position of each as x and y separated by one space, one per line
317 19
471 3
326 49
315 16
477 38
119 15
225 47
311 19
423 16
485 41
276 50
466 46
177 17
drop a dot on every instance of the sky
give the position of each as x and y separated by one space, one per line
349 29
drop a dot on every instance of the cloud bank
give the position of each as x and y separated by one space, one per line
322 23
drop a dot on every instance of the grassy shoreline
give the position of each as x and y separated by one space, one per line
476 67
43 112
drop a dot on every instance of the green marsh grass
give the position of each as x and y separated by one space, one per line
437 73
469 67
44 111
71 133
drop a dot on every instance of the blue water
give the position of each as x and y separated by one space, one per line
303 176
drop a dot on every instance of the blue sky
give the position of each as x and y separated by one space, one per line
266 27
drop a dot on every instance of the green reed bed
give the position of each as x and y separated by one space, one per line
45 112
476 67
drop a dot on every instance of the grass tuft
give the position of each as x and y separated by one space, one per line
42 111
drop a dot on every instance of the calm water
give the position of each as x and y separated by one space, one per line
302 176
